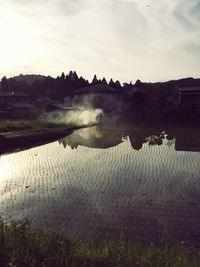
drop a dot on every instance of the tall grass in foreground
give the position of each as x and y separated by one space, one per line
22 246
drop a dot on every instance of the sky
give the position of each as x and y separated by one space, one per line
150 40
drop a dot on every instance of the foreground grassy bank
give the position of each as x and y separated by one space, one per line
21 125
26 133
22 246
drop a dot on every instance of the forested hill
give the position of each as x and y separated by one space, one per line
47 86
60 87
29 78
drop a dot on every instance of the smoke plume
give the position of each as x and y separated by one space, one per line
80 117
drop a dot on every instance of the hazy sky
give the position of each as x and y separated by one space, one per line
151 40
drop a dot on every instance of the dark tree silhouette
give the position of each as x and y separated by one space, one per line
138 83
127 86
62 77
4 84
137 98
95 80
117 84
104 82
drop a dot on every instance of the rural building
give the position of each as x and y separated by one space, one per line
98 96
11 97
16 105
189 95
47 104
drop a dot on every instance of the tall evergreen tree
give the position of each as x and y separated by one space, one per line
104 82
75 76
118 84
4 84
111 83
138 83
71 75
62 76
95 80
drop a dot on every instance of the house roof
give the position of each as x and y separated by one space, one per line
97 89
62 107
11 94
189 89
21 105
46 100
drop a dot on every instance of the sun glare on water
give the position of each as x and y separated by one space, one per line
4 168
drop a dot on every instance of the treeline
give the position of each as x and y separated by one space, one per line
46 86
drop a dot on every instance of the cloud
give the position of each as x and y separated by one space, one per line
67 7
184 15
70 7
195 10
123 39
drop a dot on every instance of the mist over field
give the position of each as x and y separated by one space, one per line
79 116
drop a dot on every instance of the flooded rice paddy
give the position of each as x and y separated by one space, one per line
135 184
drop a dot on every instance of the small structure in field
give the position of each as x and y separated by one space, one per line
189 95
11 97
16 105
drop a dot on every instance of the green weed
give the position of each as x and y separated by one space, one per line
20 245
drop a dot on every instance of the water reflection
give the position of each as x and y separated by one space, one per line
130 182
94 137
183 139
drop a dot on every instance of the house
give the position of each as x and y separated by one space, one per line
98 96
189 95
46 104
11 97
16 105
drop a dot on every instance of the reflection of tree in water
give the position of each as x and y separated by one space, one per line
64 142
136 141
186 139
94 137
183 138
170 143
156 139
146 135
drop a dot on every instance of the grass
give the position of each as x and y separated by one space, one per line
21 134
18 125
22 246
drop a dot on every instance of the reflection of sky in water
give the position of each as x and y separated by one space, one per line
148 193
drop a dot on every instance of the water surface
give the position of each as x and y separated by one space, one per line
131 183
